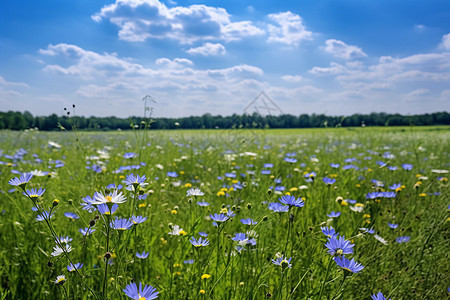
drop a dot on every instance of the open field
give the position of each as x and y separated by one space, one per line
280 214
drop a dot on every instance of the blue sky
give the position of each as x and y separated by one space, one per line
336 57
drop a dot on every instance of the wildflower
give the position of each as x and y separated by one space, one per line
203 234
113 197
199 243
134 181
146 293
396 187
328 181
86 231
291 201
58 250
393 226
329 231
44 216
248 222
378 296
202 292
243 240
71 216
334 214
73 267
282 262
121 224
334 166
206 276
34 193
142 255
203 203
129 155
104 209
407 167
60 279
176 230
194 192
88 204
22 181
219 217
402 239
348 265
380 239
63 239
172 174
278 207
337 245
188 262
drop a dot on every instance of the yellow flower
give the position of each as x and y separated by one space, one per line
142 205
234 181
287 193
188 185
366 216
230 189
176 265
206 276
369 170
224 211
202 291
181 172
418 175
444 179
358 185
220 193
422 195
177 273
173 212
182 232
163 241
122 177
294 189
359 204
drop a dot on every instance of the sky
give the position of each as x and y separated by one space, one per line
333 57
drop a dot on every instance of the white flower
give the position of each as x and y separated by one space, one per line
357 208
58 250
176 230
113 197
439 171
380 239
39 173
60 279
53 144
194 192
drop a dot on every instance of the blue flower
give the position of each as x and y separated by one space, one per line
278 207
133 181
112 186
74 267
34 193
334 214
71 216
402 239
392 225
265 172
248 222
44 216
329 181
199 243
138 219
142 255
348 265
282 262
290 160
407 167
104 209
129 155
172 174
219 217
395 186
22 181
378 296
268 165
243 240
337 245
188 261
146 293
334 166
121 224
63 239
203 203
328 231
87 204
86 231
291 201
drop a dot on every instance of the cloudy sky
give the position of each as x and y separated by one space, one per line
336 57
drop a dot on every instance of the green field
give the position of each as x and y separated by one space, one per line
389 184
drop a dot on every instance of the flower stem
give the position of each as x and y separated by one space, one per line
325 279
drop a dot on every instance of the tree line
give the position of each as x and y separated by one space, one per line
15 120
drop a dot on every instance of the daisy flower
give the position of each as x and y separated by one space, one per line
337 245
146 293
142 255
291 201
348 265
194 192
58 250
113 197
73 267
22 181
282 262
121 224
60 279
378 296
199 243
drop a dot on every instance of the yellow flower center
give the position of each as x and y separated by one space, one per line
108 199
141 298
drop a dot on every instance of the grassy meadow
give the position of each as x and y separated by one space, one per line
338 213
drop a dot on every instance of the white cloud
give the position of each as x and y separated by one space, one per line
289 29
292 78
419 27
140 20
445 43
340 49
208 49
417 94
107 78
